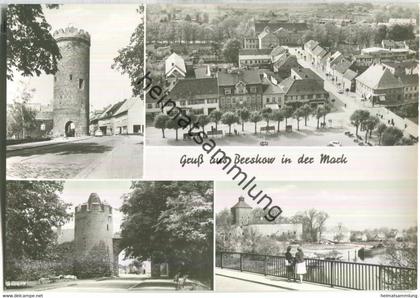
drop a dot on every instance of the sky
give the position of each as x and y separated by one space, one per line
110 27
358 205
77 192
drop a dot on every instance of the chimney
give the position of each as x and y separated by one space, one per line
241 199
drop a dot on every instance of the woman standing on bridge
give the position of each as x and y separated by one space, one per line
300 263
290 264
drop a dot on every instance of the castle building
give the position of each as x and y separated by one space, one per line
242 219
71 83
93 228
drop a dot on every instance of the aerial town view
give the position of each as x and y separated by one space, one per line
316 243
286 75
65 116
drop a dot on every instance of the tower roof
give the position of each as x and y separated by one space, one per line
241 204
94 199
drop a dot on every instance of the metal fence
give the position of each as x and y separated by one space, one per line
358 276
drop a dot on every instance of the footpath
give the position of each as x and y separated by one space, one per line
56 141
272 281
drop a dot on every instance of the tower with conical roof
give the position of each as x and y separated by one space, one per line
241 212
93 228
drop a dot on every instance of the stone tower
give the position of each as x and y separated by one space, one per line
71 83
93 227
240 212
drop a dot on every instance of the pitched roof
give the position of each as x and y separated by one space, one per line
350 74
307 73
109 112
319 51
311 44
188 88
302 87
246 76
273 26
379 77
174 60
401 64
278 51
341 67
409 80
271 88
127 104
255 51
241 204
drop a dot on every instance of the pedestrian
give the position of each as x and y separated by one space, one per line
290 263
300 264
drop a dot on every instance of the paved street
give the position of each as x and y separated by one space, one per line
92 157
235 280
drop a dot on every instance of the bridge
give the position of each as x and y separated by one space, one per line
331 273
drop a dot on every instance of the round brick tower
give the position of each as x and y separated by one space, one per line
93 227
71 83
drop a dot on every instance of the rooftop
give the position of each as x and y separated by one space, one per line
246 76
188 88
255 51
302 87
273 26
379 77
241 204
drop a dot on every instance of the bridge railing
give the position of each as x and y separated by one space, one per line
358 276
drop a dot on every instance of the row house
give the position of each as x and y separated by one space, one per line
409 67
279 33
120 118
240 89
411 86
254 58
301 73
333 60
379 85
303 91
379 54
198 96
273 93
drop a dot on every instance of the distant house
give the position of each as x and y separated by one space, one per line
334 59
380 54
308 47
392 44
378 84
301 91
411 86
273 93
267 39
175 67
349 80
283 67
239 89
317 54
408 67
199 96
250 43
121 118
202 72
339 70
254 58
286 33
301 73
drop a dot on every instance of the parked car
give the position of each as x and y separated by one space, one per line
334 144
98 133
